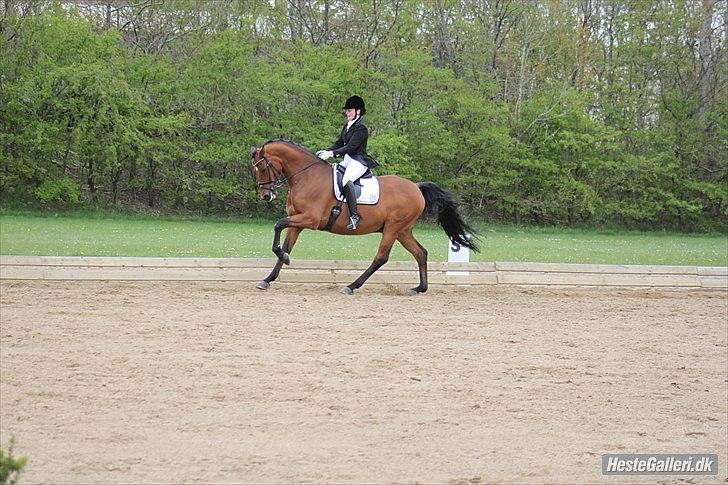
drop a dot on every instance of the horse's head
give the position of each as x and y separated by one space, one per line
267 172
277 162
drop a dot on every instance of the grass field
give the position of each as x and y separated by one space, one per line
113 235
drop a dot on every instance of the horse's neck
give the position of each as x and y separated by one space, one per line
296 161
304 172
290 159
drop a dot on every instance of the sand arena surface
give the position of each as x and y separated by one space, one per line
118 382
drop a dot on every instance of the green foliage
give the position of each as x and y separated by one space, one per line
551 115
392 149
10 466
58 192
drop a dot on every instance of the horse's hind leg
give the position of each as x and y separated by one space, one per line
407 239
291 237
385 247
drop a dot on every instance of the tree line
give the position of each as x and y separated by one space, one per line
576 112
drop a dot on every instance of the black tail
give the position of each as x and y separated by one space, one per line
442 203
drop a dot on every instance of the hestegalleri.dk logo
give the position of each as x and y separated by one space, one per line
660 464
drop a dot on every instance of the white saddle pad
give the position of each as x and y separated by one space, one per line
369 190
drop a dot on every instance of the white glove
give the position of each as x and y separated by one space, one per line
324 154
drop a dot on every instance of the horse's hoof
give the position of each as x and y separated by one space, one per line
286 259
412 292
263 285
347 291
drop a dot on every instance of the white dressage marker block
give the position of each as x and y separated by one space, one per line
458 254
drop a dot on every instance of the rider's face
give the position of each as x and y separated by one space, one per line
350 114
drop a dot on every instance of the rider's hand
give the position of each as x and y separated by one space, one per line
324 154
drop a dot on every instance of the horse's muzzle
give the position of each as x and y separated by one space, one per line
268 196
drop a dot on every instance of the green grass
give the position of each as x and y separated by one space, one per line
114 235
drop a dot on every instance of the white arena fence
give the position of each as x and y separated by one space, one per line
344 272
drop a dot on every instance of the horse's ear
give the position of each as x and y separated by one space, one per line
253 151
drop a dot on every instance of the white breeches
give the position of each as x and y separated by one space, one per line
354 169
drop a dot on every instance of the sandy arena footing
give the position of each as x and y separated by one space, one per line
161 382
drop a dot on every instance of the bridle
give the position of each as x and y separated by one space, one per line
276 177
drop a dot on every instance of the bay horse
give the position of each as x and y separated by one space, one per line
311 199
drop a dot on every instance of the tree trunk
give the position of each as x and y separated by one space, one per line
705 53
90 181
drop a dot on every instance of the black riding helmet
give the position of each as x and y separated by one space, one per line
355 102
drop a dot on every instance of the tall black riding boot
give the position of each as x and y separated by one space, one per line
350 195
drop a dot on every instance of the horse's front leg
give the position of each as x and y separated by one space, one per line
291 237
282 254
294 225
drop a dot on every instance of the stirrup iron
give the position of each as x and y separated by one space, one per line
353 222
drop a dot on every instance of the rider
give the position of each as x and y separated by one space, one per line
352 144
